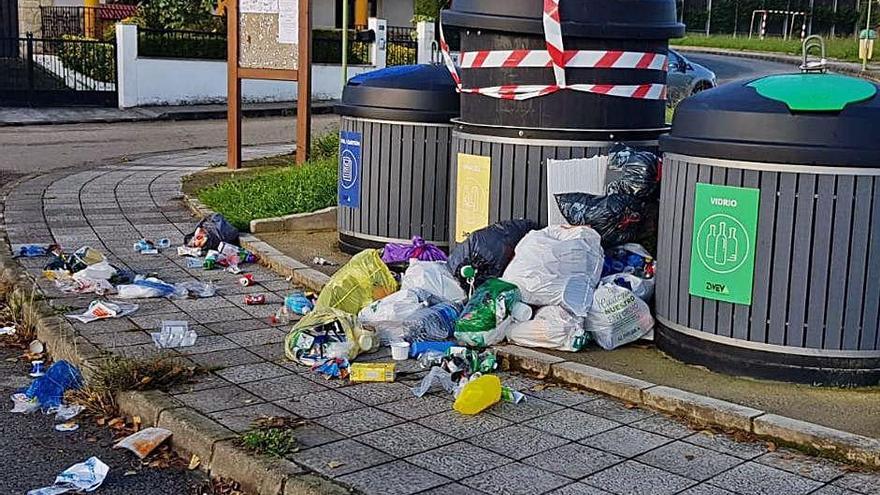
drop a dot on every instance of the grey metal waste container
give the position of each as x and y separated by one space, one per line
769 235
394 161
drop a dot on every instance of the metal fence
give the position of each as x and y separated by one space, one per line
327 47
826 17
160 43
38 71
402 45
88 22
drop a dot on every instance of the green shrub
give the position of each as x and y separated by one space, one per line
90 58
294 189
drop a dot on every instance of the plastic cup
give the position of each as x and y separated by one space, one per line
521 312
399 351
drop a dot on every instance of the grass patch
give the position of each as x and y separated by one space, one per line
835 48
273 193
119 374
272 436
272 186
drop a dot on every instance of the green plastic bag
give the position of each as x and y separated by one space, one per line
326 333
487 308
361 281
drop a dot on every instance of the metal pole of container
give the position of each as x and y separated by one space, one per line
344 43
868 35
708 17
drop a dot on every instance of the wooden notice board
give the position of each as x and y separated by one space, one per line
269 39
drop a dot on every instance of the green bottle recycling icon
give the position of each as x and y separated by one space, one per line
722 245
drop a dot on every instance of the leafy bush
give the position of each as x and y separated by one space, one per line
294 189
92 59
179 14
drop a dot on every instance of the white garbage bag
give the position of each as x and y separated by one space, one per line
643 288
554 327
558 265
388 315
618 317
434 277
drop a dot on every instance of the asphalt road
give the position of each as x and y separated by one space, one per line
41 148
33 453
732 68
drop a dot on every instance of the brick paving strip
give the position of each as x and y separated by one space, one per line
374 438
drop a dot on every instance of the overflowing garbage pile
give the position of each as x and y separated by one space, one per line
561 287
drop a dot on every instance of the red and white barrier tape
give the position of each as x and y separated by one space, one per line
579 59
557 57
650 91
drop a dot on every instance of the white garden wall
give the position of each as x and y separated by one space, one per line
164 81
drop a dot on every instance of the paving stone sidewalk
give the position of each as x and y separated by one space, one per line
378 438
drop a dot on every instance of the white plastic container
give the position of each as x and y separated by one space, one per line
399 351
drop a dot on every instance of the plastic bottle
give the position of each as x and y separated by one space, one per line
211 260
433 323
478 395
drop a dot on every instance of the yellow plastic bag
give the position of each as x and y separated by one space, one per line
326 333
361 281
478 394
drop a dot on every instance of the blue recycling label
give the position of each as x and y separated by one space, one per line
350 169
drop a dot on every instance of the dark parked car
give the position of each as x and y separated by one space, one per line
686 78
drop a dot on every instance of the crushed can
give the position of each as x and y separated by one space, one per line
255 299
246 280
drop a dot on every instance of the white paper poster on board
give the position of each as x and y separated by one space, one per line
258 6
586 175
288 21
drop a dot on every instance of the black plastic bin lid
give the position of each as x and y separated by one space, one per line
630 19
807 119
412 93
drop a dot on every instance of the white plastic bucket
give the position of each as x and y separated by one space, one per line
399 351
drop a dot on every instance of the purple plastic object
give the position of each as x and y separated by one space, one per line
419 249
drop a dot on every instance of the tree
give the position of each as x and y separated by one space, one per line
180 15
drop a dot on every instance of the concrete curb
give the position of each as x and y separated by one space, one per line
317 220
794 60
193 433
694 407
159 114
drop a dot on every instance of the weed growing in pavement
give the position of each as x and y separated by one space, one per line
18 308
119 374
272 436
325 146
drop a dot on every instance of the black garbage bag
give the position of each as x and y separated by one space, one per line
489 250
639 172
211 231
618 218
628 210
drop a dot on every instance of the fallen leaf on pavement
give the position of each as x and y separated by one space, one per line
771 446
194 462
335 464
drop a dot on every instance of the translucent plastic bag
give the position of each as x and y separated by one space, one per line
361 281
643 288
618 317
434 277
328 333
434 323
386 316
558 265
553 328
489 306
